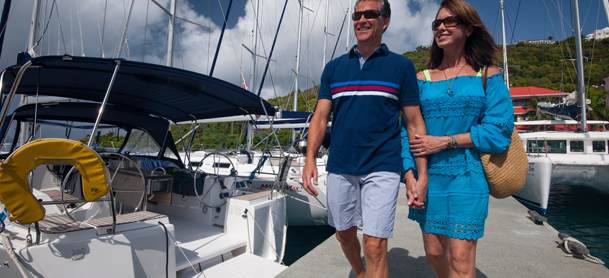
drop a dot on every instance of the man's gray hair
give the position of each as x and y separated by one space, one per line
385 8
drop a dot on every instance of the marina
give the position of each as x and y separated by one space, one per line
513 246
260 223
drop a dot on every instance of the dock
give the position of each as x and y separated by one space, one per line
512 246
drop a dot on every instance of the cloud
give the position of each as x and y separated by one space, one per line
195 46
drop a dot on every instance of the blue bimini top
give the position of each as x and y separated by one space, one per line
366 104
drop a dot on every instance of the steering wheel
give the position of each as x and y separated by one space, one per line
127 186
215 156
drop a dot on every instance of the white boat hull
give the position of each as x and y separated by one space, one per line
536 190
303 209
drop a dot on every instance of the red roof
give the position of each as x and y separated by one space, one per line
534 91
520 110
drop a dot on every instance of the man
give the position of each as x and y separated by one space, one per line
365 90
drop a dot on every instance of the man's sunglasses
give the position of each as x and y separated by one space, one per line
367 14
450 21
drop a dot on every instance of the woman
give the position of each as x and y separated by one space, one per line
461 118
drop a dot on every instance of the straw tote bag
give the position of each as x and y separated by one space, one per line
505 172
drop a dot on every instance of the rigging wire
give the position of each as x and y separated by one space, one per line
515 22
560 43
591 61
145 31
8 17
82 47
230 37
104 27
180 49
99 30
123 22
45 28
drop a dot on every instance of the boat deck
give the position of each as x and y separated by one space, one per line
513 246
198 242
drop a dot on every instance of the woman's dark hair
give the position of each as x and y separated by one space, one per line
480 48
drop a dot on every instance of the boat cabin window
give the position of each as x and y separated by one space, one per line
547 146
599 146
141 143
576 146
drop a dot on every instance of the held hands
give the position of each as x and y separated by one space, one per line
309 172
426 144
416 191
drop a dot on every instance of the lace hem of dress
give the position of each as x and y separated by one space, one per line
453 163
455 227
506 126
452 106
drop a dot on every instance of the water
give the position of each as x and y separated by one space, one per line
301 240
583 213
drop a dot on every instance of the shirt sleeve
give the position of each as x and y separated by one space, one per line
407 159
494 133
325 90
410 89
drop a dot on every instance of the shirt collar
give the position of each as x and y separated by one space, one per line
383 49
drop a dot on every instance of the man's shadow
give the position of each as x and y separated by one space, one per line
403 265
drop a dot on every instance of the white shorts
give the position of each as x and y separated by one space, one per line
367 200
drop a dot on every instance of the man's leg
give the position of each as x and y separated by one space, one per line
345 215
351 247
379 197
375 252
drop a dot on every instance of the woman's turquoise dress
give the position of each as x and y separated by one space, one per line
457 199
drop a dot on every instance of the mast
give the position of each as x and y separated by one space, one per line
606 4
298 55
254 50
506 75
580 67
171 36
7 7
326 32
300 11
33 28
349 33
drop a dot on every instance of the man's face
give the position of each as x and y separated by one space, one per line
369 29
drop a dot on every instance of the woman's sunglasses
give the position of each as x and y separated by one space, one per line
450 21
367 14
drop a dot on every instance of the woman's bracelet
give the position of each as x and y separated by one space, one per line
452 142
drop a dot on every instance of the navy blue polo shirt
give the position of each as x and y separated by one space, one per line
366 105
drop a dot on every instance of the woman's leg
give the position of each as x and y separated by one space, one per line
436 250
462 257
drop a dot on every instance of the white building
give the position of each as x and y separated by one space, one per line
540 42
599 34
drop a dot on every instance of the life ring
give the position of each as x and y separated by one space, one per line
15 192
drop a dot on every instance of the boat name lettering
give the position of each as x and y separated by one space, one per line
284 187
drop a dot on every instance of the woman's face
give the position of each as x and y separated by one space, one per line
450 36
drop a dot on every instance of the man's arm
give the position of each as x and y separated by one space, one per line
416 126
317 131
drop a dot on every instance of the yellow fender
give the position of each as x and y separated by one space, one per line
15 192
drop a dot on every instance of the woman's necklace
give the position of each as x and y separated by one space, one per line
450 85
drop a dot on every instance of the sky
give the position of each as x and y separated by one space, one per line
83 22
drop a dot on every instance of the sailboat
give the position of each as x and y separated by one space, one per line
70 208
577 157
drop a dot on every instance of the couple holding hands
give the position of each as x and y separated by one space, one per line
447 115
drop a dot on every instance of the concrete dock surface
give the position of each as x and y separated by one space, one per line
512 246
